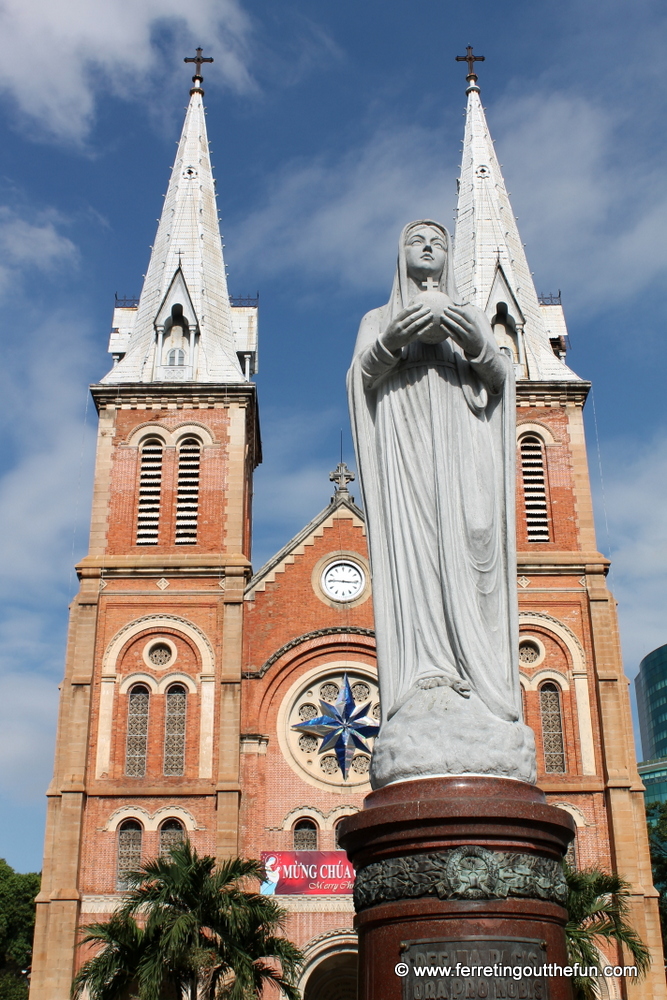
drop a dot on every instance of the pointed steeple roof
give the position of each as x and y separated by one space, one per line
489 257
186 273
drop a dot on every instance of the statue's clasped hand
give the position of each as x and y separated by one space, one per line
465 325
431 318
407 326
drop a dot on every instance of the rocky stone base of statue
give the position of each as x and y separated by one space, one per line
459 882
439 732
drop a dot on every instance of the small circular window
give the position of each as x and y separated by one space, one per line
160 654
529 652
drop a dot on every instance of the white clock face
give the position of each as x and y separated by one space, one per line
343 581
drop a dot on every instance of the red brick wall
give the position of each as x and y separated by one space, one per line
212 484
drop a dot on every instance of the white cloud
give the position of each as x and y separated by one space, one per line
593 222
592 217
27 727
32 239
340 215
44 510
55 54
635 487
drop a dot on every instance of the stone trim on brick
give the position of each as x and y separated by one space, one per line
307 637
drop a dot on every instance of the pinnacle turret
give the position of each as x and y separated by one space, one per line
183 329
490 262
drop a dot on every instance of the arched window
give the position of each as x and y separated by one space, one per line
535 488
337 835
175 357
187 504
129 850
171 833
150 487
305 835
174 729
137 731
552 728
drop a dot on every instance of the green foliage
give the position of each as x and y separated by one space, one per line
656 818
17 925
204 934
597 913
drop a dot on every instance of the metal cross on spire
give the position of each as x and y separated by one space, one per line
471 60
198 60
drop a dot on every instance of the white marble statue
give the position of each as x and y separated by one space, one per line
433 415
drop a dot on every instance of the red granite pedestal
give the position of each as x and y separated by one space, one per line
459 871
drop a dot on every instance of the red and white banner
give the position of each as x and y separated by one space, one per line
307 873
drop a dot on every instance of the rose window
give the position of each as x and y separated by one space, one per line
160 654
304 745
529 652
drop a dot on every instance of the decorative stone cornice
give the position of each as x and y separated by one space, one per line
307 637
553 563
205 564
160 395
463 873
532 393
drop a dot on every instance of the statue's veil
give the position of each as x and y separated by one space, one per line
403 291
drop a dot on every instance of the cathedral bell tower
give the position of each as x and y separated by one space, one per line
574 690
148 734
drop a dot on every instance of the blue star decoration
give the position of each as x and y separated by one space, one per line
344 727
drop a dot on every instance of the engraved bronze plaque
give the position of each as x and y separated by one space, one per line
471 967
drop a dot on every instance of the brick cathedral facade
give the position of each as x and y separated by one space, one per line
186 673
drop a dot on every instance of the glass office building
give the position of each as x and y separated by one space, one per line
651 691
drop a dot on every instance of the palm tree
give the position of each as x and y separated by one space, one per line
113 972
203 935
209 936
597 912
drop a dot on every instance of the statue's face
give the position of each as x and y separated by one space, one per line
425 252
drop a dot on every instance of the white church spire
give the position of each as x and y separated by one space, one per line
490 261
182 328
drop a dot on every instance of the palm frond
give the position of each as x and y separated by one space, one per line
598 910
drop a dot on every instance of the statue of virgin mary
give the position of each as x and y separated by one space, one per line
433 415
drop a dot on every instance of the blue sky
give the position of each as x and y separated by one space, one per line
332 124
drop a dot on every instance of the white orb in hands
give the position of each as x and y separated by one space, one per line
437 302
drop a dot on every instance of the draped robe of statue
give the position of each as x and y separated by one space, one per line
435 443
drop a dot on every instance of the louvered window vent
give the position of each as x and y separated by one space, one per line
187 503
535 489
150 488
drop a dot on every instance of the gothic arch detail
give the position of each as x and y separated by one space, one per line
547 674
579 676
138 678
206 686
151 821
172 436
307 637
533 427
147 622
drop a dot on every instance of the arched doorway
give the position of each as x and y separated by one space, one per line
334 978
